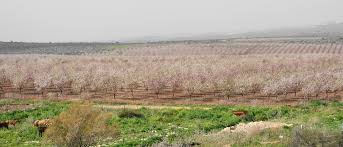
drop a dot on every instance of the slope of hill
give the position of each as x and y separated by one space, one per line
334 30
331 31
54 48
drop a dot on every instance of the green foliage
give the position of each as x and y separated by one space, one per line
248 118
144 127
44 109
170 124
130 114
317 103
24 133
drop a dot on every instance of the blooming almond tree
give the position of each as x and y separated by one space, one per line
60 78
312 86
42 80
338 84
5 73
113 82
99 80
175 82
130 81
16 76
271 75
157 85
80 80
114 85
327 80
228 88
192 85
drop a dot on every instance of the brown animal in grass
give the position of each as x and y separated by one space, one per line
7 123
42 125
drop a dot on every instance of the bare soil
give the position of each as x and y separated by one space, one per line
141 96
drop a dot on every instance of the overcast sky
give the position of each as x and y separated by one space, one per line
99 20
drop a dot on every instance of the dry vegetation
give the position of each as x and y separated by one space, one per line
81 125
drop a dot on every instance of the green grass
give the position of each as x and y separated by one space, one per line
24 132
146 126
169 124
319 116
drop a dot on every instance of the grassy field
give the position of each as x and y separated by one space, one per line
186 124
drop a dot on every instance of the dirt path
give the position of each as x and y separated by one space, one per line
147 106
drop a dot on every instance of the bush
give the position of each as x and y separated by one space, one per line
130 114
317 103
248 118
307 136
80 126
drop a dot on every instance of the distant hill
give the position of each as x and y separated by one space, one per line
54 48
327 31
333 30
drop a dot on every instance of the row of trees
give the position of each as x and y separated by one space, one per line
230 75
230 48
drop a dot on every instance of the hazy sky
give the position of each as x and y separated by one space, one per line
99 20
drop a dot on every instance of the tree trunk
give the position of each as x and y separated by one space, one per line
326 93
21 95
61 91
276 97
146 87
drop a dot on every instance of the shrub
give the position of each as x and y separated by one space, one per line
307 136
317 103
130 114
248 118
80 126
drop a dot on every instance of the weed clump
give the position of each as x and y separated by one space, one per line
130 114
308 136
81 125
